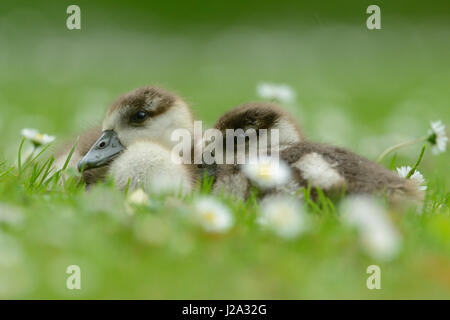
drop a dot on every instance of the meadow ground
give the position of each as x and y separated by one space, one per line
355 88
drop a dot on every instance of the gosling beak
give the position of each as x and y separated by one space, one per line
106 148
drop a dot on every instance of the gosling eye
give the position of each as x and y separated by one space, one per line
139 117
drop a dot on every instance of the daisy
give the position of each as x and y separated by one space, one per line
266 172
138 197
284 216
416 176
36 137
277 92
212 215
377 234
437 137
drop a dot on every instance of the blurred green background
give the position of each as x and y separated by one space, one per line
359 88
356 87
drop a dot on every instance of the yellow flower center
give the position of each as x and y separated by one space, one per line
283 217
265 171
210 217
39 136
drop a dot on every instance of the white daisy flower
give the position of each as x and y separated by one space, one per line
266 172
138 197
277 92
284 216
416 176
212 215
437 137
36 137
377 234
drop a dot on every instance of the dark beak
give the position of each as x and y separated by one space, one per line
106 148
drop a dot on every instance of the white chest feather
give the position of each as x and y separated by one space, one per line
320 173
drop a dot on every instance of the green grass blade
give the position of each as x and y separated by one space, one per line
19 157
47 171
71 154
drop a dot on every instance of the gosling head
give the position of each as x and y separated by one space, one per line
262 115
144 113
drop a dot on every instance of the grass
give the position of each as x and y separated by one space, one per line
157 253
358 89
49 222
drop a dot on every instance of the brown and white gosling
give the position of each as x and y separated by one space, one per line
329 168
256 115
134 143
148 164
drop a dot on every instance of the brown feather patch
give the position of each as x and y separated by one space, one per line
141 97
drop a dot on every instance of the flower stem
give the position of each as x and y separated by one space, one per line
19 157
411 172
398 146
